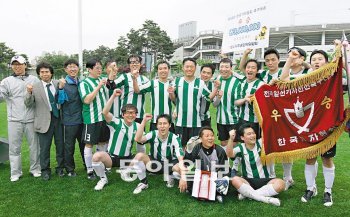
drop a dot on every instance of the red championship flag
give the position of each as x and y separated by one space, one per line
302 118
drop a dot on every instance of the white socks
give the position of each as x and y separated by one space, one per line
247 191
329 175
266 191
287 171
88 159
271 169
140 169
310 176
99 168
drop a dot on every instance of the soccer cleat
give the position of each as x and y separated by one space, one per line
289 183
222 185
101 184
170 183
91 175
125 175
274 201
140 187
308 195
327 199
241 197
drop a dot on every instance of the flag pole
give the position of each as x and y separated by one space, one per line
80 37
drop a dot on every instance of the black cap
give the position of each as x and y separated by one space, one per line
300 51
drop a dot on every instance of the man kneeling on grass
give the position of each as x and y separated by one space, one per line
166 151
255 183
122 133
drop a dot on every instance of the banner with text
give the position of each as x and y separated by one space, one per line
304 118
248 28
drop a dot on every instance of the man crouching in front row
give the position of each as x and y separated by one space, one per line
256 182
122 133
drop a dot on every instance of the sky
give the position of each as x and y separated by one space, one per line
37 26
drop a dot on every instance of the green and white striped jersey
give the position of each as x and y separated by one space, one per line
188 98
121 137
227 112
205 104
266 77
251 162
246 110
161 103
169 149
92 113
124 81
296 75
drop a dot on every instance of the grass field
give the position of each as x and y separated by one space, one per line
76 196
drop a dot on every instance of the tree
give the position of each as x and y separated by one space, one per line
156 41
57 62
102 53
135 42
122 51
201 62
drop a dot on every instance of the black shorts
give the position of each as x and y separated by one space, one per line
116 160
153 126
330 153
206 123
257 183
158 167
95 133
255 126
223 131
185 133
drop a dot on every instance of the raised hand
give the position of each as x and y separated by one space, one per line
147 117
217 84
61 83
232 134
220 94
171 89
102 82
30 88
117 92
248 51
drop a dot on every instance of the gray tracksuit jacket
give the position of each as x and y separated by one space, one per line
13 90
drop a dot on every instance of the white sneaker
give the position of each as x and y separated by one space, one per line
36 174
15 178
141 186
125 175
101 184
170 183
274 201
288 183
